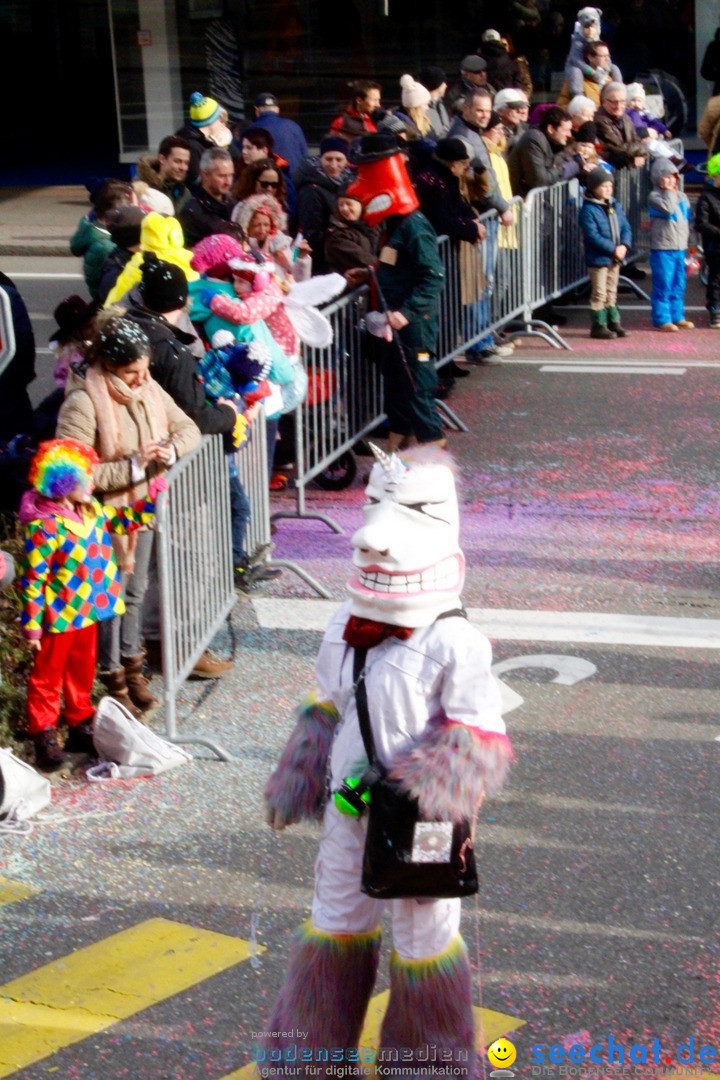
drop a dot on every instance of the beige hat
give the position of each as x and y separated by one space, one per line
413 93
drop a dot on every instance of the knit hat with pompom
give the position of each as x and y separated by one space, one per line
203 110
414 94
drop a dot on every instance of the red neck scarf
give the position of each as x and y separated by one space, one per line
366 633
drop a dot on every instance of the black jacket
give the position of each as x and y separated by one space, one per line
443 204
707 219
349 244
110 272
173 366
198 145
502 70
316 201
204 215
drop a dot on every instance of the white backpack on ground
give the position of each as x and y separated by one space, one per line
127 748
24 792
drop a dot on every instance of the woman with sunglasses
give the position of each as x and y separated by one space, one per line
261 177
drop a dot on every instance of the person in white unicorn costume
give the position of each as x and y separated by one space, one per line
435 713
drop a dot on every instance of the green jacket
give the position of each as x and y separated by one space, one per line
414 282
94 243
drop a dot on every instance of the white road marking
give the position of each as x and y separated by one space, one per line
614 369
559 362
504 624
570 669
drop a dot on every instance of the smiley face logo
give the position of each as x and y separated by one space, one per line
502 1053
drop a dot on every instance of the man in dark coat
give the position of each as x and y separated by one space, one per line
289 138
502 70
318 182
621 146
538 158
209 210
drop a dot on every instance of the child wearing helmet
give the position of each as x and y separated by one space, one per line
707 223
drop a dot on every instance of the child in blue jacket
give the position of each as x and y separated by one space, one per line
607 237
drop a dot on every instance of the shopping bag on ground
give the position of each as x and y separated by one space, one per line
24 792
127 748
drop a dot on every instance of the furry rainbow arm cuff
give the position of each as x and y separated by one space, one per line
297 788
452 767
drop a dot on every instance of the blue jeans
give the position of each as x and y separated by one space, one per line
239 518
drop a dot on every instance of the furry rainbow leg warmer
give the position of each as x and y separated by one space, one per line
452 767
430 1013
326 994
297 789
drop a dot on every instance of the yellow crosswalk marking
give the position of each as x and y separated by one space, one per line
489 1026
90 990
12 891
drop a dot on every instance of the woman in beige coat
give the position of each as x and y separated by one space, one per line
115 406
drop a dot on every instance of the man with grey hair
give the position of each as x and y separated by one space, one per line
621 146
209 210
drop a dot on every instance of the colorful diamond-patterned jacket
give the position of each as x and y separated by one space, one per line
70 579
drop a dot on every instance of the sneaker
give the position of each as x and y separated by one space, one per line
260 554
634 273
685 324
278 482
210 666
715 320
80 740
667 328
48 752
248 576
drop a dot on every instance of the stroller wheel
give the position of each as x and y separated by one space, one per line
340 474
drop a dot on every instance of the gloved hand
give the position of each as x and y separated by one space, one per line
205 296
240 433
156 485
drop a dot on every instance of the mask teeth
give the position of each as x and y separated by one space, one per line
436 578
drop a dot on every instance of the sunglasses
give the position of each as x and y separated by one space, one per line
269 183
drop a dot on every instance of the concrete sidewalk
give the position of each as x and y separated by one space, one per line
40 221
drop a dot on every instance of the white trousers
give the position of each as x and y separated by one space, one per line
421 928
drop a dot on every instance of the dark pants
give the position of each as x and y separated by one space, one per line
712 294
239 518
410 395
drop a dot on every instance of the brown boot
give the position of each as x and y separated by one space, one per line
116 686
48 752
210 666
137 685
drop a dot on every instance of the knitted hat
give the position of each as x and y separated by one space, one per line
203 110
598 176
509 98
61 465
212 253
393 124
495 119
414 94
473 63
432 77
71 314
158 201
124 225
221 339
333 144
452 149
587 132
343 193
491 35
121 341
164 286
589 16
265 99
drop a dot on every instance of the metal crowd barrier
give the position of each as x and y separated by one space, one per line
251 462
195 569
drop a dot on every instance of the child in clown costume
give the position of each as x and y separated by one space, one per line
435 714
70 582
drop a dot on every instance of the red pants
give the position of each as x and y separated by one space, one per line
66 661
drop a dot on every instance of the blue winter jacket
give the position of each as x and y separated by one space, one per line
604 226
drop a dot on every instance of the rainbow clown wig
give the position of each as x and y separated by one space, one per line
60 466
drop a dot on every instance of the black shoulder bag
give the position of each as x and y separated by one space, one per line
405 855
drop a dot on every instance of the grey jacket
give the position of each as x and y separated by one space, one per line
533 163
479 159
669 220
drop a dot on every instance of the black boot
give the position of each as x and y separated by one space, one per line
80 740
613 322
600 326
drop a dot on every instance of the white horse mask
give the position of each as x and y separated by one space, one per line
411 568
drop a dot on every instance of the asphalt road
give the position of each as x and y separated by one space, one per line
590 527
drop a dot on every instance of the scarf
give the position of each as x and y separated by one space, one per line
144 404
